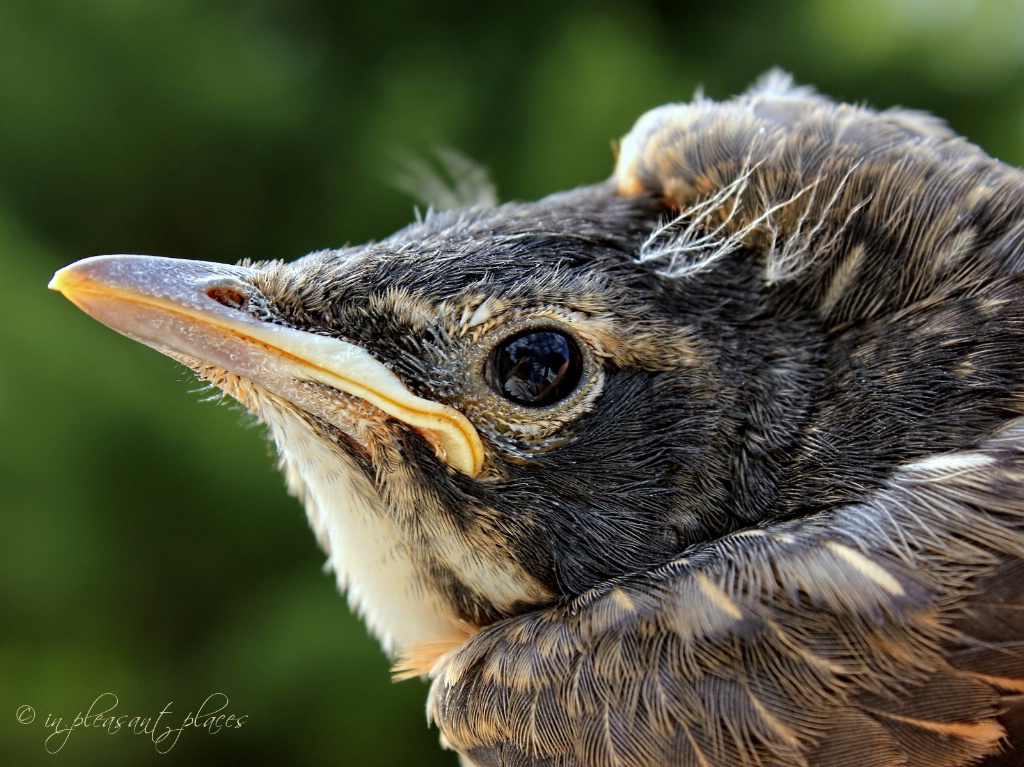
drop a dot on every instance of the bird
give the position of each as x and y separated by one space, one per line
718 462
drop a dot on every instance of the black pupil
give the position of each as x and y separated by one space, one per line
536 368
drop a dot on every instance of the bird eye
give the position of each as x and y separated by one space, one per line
536 368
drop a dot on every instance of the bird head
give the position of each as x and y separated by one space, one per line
488 411
741 415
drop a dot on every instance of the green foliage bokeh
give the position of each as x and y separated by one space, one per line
147 546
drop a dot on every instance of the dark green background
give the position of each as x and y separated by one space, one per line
147 546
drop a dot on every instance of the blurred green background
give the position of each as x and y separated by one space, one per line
147 546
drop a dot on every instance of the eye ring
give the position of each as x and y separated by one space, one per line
535 368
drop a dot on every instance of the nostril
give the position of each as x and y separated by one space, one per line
228 295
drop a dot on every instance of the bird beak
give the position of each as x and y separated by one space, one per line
191 309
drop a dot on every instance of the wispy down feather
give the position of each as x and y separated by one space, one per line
738 215
452 181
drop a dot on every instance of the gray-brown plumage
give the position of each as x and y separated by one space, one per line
718 463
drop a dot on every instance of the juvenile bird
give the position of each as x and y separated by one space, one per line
718 463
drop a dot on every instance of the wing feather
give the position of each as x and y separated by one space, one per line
881 634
